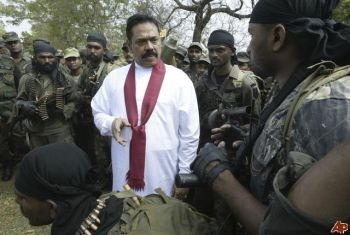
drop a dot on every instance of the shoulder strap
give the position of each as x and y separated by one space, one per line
317 79
100 69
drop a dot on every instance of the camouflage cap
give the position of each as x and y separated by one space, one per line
181 51
10 37
197 44
243 57
204 59
71 52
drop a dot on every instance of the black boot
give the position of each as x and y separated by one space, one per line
7 172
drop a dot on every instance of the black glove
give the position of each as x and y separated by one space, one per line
210 153
27 108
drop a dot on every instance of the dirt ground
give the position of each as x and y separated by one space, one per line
11 220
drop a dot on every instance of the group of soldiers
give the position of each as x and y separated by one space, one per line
45 98
278 146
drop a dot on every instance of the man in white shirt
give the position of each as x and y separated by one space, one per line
153 106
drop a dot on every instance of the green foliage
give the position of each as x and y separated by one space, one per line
27 39
66 23
2 28
342 12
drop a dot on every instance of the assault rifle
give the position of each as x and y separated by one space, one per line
233 116
216 118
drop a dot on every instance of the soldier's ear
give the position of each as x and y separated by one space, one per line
278 37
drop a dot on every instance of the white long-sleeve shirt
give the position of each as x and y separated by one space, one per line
172 131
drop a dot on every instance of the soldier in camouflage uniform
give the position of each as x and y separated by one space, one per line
22 59
46 99
226 86
23 64
7 100
306 118
73 63
194 52
243 61
203 66
90 81
180 55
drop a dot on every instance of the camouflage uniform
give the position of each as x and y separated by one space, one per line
321 123
192 74
235 91
22 66
88 136
56 103
7 100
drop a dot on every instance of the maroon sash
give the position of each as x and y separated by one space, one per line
135 175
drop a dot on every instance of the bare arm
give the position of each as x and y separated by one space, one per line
244 206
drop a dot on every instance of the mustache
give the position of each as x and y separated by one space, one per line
149 54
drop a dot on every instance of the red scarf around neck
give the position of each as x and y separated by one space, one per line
135 175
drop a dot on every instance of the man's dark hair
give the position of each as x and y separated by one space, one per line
139 19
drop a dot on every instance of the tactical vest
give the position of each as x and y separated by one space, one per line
91 80
310 84
158 214
319 78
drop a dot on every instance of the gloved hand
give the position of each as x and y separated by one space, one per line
210 162
27 108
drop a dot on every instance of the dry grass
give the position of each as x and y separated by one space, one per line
11 220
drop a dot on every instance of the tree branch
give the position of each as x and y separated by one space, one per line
184 7
230 12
